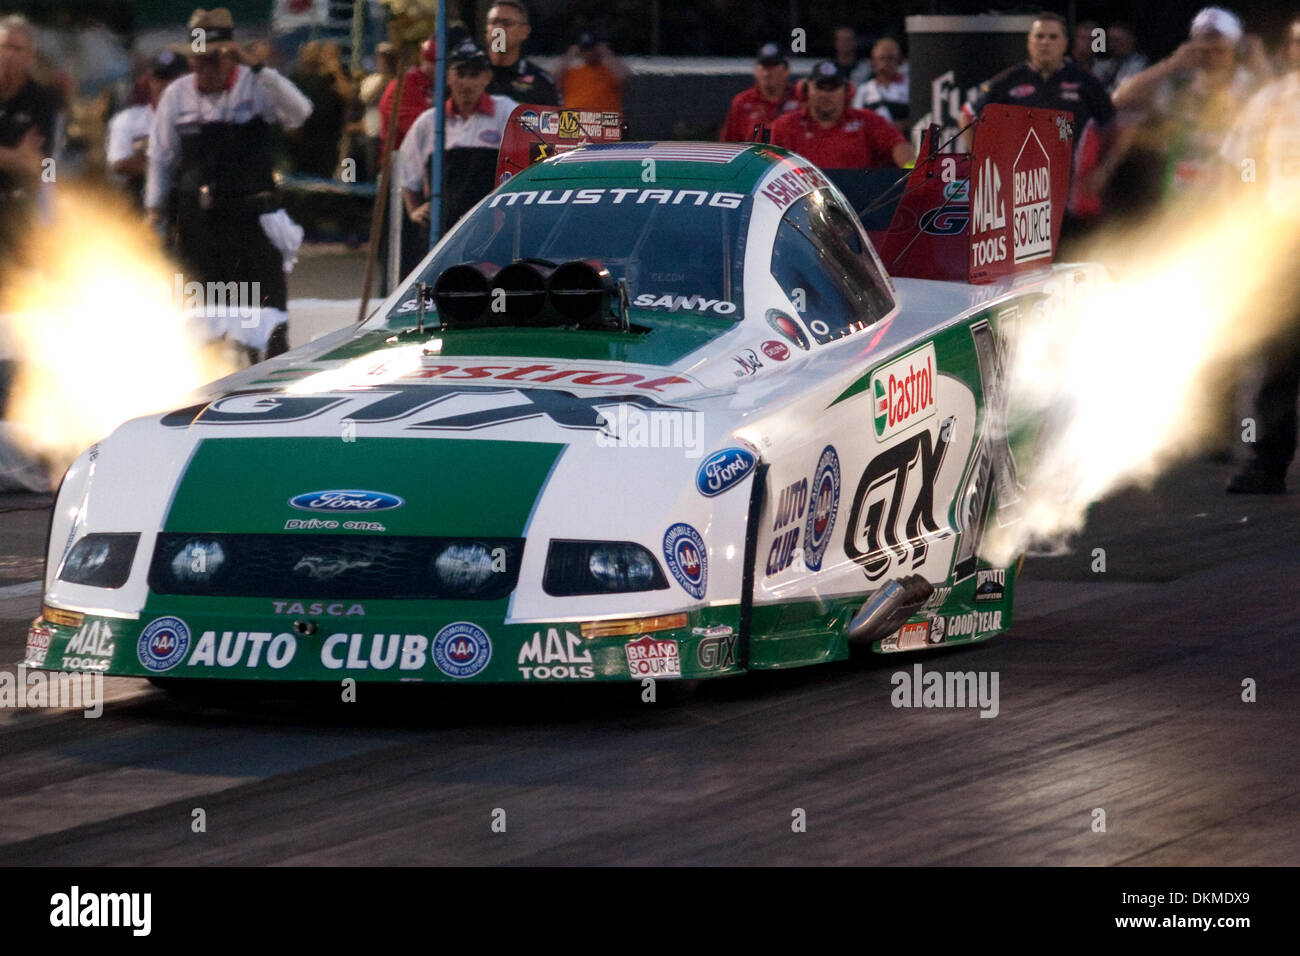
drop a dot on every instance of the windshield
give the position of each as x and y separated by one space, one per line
680 250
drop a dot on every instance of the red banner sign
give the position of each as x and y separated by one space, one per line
1020 177
535 133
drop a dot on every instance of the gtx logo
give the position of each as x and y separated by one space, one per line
907 471
563 408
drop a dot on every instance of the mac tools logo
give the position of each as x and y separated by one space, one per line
988 214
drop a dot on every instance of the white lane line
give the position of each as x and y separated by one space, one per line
26 589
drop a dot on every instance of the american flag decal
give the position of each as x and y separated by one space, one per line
625 152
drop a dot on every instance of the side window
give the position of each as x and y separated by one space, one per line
820 261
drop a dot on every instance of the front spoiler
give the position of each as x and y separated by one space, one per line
213 646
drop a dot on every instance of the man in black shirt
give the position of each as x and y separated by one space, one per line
513 75
1049 81
28 113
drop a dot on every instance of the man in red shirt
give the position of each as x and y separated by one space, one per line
832 135
769 97
417 95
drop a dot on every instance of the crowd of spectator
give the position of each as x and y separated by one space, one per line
1147 133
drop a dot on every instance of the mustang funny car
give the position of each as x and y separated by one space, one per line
649 410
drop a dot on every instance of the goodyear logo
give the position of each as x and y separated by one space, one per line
903 392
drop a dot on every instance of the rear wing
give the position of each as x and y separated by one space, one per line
978 216
534 133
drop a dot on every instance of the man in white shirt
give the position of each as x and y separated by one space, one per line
475 125
1266 138
128 130
886 92
210 173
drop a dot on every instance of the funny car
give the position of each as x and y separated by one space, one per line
650 410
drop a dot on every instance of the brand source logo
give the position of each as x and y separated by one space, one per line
1031 234
346 501
903 392
723 470
647 657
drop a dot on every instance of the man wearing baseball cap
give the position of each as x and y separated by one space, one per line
753 111
211 143
128 130
833 135
475 124
1189 101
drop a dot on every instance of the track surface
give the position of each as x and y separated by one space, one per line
1118 690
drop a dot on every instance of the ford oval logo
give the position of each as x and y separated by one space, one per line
723 469
346 501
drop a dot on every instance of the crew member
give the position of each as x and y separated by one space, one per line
28 117
754 110
846 52
512 74
476 122
128 131
1049 81
886 92
1269 133
833 135
592 77
212 140
1188 102
417 95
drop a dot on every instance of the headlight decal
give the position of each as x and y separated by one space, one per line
600 567
100 560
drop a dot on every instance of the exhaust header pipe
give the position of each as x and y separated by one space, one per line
579 291
528 293
889 608
461 294
518 295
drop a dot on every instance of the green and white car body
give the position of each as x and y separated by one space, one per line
781 435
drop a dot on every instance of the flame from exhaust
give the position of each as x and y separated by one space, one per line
1139 373
94 323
